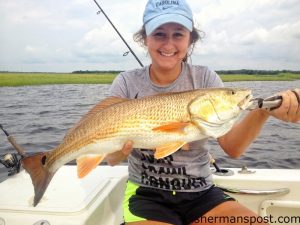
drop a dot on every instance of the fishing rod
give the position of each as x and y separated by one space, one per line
11 140
101 11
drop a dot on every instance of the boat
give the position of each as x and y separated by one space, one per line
97 198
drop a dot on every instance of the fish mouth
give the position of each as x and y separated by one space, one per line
246 102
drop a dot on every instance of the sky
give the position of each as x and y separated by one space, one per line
69 35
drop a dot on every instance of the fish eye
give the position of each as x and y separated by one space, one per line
233 92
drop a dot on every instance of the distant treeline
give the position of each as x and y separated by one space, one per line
97 71
232 72
256 72
224 72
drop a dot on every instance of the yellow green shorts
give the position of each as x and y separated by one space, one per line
145 203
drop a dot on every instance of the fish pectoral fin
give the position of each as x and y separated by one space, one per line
87 163
172 127
167 149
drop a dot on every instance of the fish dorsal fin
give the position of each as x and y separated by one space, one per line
172 127
106 103
168 149
103 105
100 106
86 163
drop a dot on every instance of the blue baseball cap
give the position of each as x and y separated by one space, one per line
159 12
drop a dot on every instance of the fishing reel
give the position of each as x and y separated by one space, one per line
12 162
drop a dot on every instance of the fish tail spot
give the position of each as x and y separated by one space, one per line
44 160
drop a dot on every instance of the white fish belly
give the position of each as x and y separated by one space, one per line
141 139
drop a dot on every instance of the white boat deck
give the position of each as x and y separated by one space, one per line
68 200
97 198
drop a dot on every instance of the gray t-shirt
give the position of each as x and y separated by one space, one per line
183 170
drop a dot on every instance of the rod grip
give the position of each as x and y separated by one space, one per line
19 149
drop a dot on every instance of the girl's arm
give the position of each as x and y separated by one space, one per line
236 141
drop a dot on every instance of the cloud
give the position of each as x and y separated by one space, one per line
34 49
249 34
65 35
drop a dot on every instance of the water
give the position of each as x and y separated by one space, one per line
278 145
39 116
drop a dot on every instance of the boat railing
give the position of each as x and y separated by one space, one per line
278 191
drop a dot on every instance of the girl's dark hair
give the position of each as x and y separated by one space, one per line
196 35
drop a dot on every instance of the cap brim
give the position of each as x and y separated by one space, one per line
151 25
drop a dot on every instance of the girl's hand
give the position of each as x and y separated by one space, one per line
289 110
117 157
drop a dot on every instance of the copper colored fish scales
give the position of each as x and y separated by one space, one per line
163 122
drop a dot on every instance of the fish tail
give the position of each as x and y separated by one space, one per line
40 175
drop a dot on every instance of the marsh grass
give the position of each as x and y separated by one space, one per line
260 77
24 79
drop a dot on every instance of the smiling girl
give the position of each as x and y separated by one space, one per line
179 188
